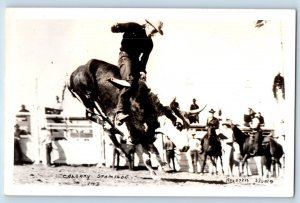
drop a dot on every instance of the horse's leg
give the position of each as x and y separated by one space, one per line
147 162
282 165
279 166
276 165
213 161
258 162
118 160
114 158
116 141
116 155
173 160
245 164
131 154
266 168
204 162
194 162
162 165
221 164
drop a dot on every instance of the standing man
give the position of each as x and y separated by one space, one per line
18 154
194 117
248 117
135 50
58 106
257 134
261 119
195 150
169 146
47 140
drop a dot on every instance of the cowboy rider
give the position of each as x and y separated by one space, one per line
257 134
212 121
135 50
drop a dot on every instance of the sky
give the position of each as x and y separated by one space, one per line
218 57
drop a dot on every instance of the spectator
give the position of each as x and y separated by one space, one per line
230 149
169 146
18 154
248 117
261 119
257 134
220 114
47 140
195 150
23 108
194 117
58 104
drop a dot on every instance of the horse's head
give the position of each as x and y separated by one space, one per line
181 116
152 108
238 135
146 108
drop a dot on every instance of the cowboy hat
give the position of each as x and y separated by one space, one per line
212 111
157 25
227 123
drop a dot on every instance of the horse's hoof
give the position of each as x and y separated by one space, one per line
154 176
99 165
167 169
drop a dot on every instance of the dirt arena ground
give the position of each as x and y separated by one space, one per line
94 176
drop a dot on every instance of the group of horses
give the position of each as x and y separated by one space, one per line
235 155
92 84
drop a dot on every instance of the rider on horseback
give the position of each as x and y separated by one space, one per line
212 124
136 47
257 134
212 121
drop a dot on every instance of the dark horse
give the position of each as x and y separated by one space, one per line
273 152
211 147
91 83
246 147
269 150
248 144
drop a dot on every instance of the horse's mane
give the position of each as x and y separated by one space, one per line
145 110
240 137
211 143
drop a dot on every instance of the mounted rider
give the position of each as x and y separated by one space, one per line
135 50
212 122
257 134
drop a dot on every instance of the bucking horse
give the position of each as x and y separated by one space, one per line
97 85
